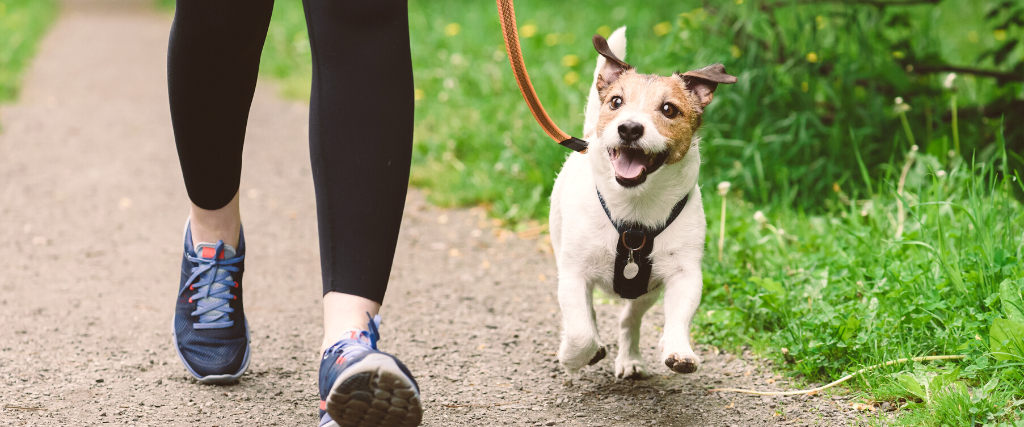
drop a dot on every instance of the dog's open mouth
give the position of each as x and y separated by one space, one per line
632 165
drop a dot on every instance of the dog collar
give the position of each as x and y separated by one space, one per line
632 253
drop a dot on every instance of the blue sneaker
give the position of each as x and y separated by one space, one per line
361 386
211 335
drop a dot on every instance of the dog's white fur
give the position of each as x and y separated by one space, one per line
584 241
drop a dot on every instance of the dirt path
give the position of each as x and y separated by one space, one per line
91 210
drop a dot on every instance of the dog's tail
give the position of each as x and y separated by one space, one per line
617 43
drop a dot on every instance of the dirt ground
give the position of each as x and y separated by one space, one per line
91 213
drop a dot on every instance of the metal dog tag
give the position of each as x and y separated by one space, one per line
631 269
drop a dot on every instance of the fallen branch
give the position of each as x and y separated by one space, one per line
839 381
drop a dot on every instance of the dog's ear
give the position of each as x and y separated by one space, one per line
613 66
704 81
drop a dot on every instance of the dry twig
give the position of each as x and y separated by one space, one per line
839 381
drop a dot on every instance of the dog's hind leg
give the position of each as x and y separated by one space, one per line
629 364
580 346
682 296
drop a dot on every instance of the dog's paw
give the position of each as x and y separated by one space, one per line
601 353
629 369
574 357
684 364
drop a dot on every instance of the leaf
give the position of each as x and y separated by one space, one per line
852 323
910 384
1004 51
1006 340
1013 304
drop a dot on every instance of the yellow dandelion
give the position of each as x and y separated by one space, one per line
452 29
571 78
570 60
604 31
528 30
898 54
662 28
736 52
999 34
419 94
812 57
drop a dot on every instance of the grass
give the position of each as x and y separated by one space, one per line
476 143
22 24
830 269
840 291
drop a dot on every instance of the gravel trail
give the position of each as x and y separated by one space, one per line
91 213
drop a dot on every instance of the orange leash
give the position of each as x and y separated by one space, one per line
507 13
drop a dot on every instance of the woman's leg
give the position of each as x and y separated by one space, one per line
213 58
360 143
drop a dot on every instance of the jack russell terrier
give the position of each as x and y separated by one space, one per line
626 216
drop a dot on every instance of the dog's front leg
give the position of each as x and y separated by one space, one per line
580 345
682 296
629 363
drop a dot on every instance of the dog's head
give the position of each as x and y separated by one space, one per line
647 120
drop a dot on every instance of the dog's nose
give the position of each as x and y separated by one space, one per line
631 131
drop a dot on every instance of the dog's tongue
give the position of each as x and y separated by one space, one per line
630 163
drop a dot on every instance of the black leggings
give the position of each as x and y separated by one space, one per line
360 120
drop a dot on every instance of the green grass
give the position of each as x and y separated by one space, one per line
785 133
815 145
22 24
840 291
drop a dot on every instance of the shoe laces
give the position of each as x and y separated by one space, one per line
359 340
213 288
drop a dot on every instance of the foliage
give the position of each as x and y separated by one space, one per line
22 24
842 291
817 83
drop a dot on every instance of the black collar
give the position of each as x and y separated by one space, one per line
635 244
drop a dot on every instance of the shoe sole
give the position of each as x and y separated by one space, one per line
374 393
215 379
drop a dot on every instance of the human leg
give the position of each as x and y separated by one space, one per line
361 111
212 62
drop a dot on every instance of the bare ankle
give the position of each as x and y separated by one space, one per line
209 226
344 313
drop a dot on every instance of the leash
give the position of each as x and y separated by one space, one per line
507 14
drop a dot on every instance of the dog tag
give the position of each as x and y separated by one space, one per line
630 270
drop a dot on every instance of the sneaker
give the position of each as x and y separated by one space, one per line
362 386
211 335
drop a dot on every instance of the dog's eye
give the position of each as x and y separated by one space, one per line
669 110
615 103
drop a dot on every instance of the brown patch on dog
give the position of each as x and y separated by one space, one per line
674 103
648 94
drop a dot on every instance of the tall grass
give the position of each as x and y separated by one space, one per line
816 81
842 291
22 24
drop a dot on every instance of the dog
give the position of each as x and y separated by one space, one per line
640 171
